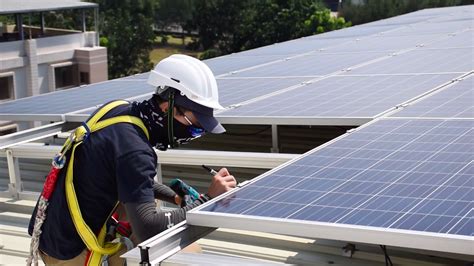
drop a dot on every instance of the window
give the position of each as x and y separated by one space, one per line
66 76
84 77
6 88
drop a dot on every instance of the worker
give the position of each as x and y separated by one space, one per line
118 164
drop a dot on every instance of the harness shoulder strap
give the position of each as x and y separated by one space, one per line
93 243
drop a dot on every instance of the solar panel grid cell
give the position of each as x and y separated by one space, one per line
453 101
343 96
402 186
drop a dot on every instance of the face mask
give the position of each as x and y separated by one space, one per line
157 122
184 134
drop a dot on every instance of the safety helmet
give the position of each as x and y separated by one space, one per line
188 75
189 83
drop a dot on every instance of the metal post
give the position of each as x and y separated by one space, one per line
15 186
159 179
42 23
84 28
29 27
96 25
19 26
275 144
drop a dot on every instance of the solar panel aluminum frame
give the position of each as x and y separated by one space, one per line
33 117
30 135
294 120
351 233
440 242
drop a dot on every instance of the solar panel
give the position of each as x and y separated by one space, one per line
355 32
402 20
432 28
385 43
452 11
225 64
137 76
340 96
65 101
464 39
423 60
316 64
234 91
454 101
398 182
298 46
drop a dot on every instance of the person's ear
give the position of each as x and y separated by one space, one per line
164 107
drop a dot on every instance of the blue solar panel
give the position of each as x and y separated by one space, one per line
225 64
342 96
235 91
423 60
137 76
355 32
447 12
298 46
65 101
432 28
464 39
456 100
395 174
385 43
316 64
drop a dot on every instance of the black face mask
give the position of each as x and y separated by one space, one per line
157 122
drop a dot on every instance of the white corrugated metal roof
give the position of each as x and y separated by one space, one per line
27 6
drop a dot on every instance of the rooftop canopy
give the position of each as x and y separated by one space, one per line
28 6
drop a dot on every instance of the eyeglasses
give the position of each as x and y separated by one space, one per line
187 120
196 131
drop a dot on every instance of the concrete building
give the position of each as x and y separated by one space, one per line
47 45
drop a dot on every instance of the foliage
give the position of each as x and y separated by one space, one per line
173 12
322 21
372 10
232 26
215 21
127 30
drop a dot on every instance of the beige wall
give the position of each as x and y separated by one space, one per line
31 60
93 61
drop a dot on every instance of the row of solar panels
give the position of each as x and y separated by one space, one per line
358 72
404 179
399 182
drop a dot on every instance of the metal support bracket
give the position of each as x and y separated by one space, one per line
15 186
31 134
275 144
160 247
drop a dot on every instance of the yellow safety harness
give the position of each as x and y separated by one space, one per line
96 244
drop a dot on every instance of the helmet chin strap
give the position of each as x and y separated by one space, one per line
173 143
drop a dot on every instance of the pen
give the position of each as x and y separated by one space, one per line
210 170
214 172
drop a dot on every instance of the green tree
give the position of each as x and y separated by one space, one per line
215 21
372 10
173 13
234 26
126 27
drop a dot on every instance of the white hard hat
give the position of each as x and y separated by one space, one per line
190 76
196 84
